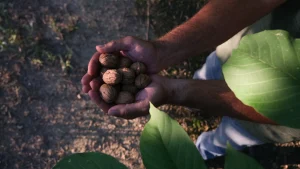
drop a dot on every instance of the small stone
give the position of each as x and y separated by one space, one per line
26 113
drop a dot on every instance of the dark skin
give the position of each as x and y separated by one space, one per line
212 96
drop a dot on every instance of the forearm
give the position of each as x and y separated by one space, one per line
215 23
213 97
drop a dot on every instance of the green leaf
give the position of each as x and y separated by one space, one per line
91 160
237 160
165 145
264 72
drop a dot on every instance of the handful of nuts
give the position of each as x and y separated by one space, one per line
122 79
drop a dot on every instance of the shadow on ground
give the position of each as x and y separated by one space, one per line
44 49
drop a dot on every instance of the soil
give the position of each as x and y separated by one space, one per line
44 116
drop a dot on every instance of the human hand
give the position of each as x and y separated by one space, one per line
156 93
137 50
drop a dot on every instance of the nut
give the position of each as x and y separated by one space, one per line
102 71
139 68
128 75
124 98
112 77
117 87
130 88
142 81
125 62
108 93
109 60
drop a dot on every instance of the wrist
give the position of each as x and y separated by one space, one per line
163 51
173 90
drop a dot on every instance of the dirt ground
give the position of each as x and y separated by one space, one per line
44 49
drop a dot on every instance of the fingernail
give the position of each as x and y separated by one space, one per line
113 112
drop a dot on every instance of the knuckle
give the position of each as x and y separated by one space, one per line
112 43
129 39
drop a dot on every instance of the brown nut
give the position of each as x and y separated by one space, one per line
124 98
102 71
128 75
108 93
139 68
109 60
130 88
125 62
117 87
112 77
142 81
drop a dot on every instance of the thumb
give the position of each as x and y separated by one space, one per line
116 46
130 111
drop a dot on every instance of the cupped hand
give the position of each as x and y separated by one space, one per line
156 93
137 50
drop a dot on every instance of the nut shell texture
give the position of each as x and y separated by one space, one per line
142 81
130 88
109 60
108 93
112 77
128 75
124 98
125 62
102 71
139 68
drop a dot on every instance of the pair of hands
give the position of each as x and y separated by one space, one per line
136 50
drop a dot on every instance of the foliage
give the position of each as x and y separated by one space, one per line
237 160
164 145
89 160
264 72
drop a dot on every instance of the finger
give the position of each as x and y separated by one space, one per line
86 88
86 79
95 97
95 84
130 111
118 45
94 66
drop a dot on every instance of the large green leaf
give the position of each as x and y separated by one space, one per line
264 72
237 160
90 160
165 145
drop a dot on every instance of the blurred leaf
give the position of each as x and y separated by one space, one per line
165 144
264 72
237 160
90 160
